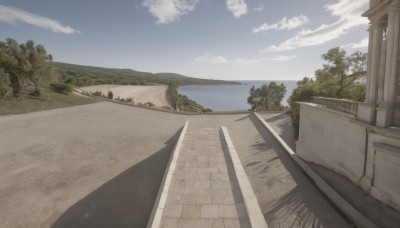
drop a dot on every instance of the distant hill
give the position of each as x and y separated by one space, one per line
87 75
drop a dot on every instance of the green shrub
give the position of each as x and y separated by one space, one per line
110 95
97 94
62 87
5 86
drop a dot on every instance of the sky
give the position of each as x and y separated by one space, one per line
216 39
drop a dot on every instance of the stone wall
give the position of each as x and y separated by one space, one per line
332 139
383 166
367 155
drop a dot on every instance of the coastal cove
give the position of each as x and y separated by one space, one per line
229 97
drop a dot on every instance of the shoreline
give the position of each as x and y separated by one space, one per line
156 95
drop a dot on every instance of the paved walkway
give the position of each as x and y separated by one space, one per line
377 212
204 191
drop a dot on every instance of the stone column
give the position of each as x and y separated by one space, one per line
369 58
375 61
386 109
381 78
366 111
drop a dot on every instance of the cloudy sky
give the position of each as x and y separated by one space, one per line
220 39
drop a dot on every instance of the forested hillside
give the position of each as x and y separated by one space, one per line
86 75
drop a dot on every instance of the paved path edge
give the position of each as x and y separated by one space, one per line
253 209
352 213
158 209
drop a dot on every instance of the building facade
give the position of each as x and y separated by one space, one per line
382 98
363 146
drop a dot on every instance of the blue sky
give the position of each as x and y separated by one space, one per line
219 39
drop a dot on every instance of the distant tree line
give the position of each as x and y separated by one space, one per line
87 75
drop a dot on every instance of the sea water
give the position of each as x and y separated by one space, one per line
229 97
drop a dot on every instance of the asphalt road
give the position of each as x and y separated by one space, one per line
101 165
97 165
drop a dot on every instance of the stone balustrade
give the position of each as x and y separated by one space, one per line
343 105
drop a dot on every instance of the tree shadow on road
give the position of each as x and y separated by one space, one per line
126 200
299 204
284 123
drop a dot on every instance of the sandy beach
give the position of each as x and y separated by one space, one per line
140 94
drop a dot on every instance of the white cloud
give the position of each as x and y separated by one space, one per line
285 23
237 7
12 15
349 13
168 11
279 58
259 8
361 44
207 58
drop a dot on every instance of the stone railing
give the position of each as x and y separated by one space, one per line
343 105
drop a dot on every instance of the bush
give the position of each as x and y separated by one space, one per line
5 86
149 104
97 94
110 95
62 87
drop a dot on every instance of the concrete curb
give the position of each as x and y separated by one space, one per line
250 201
353 214
158 209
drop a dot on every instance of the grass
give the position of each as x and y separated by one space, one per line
48 100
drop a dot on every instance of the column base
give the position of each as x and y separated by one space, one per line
384 116
366 112
366 183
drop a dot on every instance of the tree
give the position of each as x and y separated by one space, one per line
305 90
267 98
15 64
336 79
341 71
5 85
25 62
40 63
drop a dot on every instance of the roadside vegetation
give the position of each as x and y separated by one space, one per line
181 102
49 99
23 66
29 81
341 77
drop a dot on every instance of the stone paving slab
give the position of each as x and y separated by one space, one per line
204 190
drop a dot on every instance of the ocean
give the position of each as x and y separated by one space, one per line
229 97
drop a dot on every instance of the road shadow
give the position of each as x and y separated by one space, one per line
276 117
300 206
380 213
243 118
126 200
284 123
